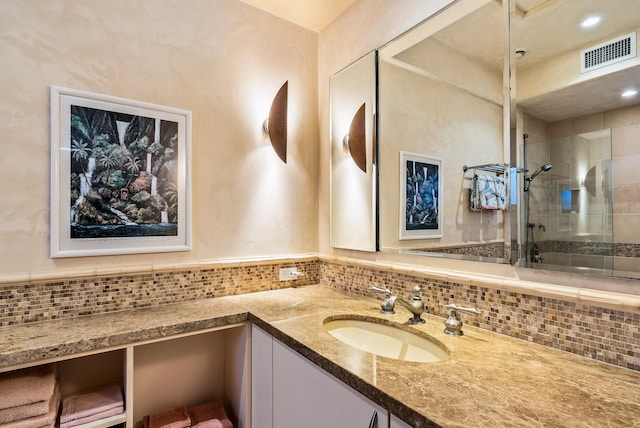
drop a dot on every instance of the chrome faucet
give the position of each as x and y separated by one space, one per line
415 305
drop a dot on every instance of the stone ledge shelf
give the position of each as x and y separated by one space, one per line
610 299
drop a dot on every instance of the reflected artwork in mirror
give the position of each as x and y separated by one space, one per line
353 191
575 126
441 94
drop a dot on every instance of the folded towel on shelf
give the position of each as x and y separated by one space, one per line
25 411
96 401
209 415
488 193
214 423
27 386
47 419
175 417
93 417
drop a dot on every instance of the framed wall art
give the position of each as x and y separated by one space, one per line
120 176
420 201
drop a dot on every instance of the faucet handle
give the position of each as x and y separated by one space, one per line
388 303
455 307
381 290
453 325
416 292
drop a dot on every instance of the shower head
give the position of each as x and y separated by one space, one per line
527 180
546 167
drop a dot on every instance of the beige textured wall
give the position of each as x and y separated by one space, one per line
221 59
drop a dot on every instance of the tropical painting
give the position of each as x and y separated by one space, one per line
120 175
420 196
123 175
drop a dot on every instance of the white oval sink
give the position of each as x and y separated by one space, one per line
386 340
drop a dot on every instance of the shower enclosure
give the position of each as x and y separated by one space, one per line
567 213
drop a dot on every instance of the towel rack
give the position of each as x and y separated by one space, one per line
497 168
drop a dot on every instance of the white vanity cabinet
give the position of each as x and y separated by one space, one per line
261 378
395 422
300 394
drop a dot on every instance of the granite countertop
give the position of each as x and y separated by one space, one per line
490 380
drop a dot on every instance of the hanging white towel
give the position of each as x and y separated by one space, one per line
488 192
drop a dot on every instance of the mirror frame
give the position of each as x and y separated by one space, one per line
353 216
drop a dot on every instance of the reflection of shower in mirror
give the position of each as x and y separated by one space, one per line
527 180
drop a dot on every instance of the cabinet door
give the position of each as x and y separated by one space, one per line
306 396
396 422
261 379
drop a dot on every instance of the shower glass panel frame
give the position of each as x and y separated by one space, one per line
568 211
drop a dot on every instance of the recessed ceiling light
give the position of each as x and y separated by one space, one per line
590 22
629 93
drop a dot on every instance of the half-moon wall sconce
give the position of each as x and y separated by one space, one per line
354 142
276 124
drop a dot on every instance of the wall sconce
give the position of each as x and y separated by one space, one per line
354 142
276 124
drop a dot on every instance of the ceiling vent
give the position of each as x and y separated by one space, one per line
610 52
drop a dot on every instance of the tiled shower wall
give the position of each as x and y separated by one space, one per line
547 142
603 334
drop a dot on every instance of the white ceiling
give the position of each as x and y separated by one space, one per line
550 28
312 14
545 28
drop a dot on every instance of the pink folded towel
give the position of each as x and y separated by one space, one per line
24 412
46 420
171 418
94 417
209 415
27 386
95 401
214 423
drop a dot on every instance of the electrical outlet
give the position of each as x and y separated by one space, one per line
289 274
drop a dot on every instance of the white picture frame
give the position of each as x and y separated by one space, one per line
120 176
420 202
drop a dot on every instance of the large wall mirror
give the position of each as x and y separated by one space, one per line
576 129
353 191
517 93
443 127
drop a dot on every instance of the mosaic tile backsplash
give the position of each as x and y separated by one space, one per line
600 333
31 302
